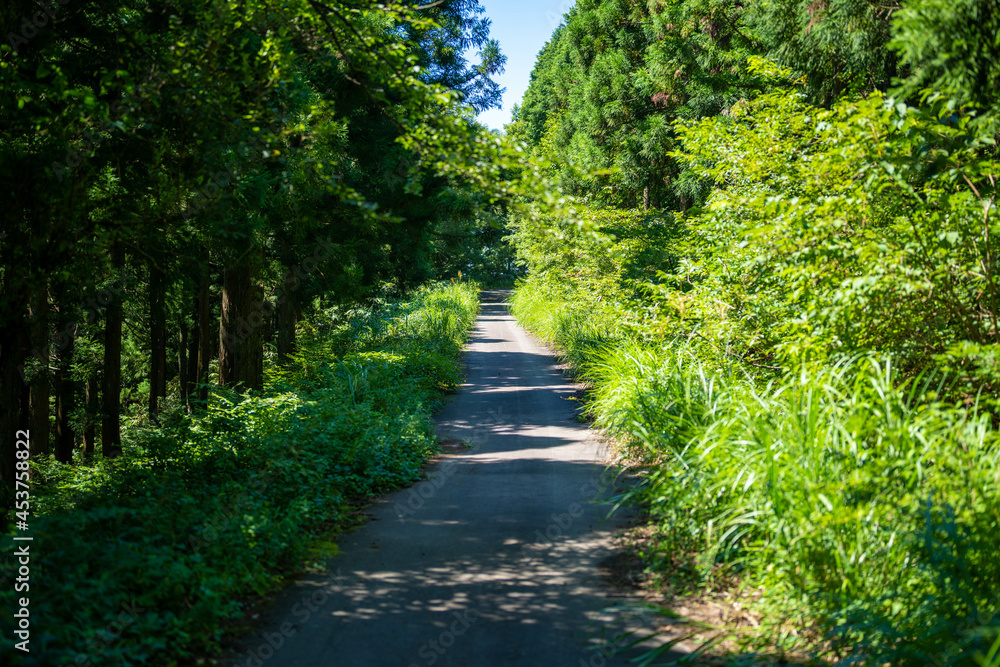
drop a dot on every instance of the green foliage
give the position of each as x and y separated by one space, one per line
577 327
582 272
607 87
481 250
954 51
459 27
818 490
212 508
805 360
839 45
868 226
822 490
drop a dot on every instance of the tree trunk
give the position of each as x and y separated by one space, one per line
157 342
204 336
192 362
65 386
111 389
90 417
41 387
13 352
241 351
645 198
182 362
65 390
287 317
192 367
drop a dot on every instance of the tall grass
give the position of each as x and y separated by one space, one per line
577 324
862 511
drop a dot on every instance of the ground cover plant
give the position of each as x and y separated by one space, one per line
147 557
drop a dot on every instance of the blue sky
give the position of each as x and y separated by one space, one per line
522 28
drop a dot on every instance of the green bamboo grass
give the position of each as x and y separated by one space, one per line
862 510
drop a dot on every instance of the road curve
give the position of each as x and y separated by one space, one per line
493 560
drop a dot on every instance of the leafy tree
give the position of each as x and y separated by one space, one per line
839 45
611 81
459 28
953 50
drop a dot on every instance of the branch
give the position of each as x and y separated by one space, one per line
741 357
317 6
142 252
401 9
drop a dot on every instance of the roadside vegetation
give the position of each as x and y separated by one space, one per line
151 556
781 289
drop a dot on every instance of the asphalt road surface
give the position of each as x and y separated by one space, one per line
494 560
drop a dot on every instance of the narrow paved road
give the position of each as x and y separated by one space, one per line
493 561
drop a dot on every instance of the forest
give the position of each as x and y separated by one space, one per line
241 248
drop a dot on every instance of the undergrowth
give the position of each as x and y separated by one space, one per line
146 558
860 508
